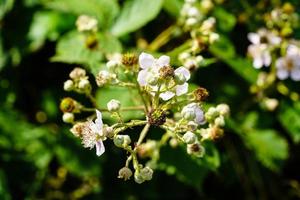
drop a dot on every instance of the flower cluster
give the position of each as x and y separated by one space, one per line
166 102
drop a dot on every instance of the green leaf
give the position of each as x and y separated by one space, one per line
5 6
71 49
189 169
104 10
135 14
289 117
127 97
225 51
48 25
225 20
173 7
270 149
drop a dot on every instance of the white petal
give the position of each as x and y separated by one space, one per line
142 77
166 95
266 58
146 60
282 74
184 71
292 50
295 74
182 89
163 61
200 119
257 62
275 40
254 38
280 63
100 149
98 120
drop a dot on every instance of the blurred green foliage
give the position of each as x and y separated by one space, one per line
257 159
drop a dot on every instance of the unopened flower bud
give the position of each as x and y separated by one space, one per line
122 140
147 149
68 117
192 125
138 178
195 149
68 85
270 104
213 37
220 121
191 21
108 131
84 85
183 56
77 129
173 142
207 5
125 173
77 73
188 114
193 12
146 173
102 78
211 114
223 109
189 137
113 105
112 65
180 78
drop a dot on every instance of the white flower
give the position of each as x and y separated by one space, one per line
195 113
86 23
289 65
150 74
263 36
260 54
93 134
113 105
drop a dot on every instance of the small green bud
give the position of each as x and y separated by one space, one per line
125 173
223 109
122 141
189 137
138 177
220 121
113 105
146 173
68 117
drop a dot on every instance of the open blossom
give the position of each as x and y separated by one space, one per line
259 50
93 134
154 69
289 65
194 113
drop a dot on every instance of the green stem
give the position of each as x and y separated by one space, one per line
143 134
162 38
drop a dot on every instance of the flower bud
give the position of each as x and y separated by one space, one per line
191 21
138 177
102 78
223 109
108 131
188 114
192 125
77 73
146 173
195 149
220 121
122 141
112 65
78 128
113 105
189 137
180 78
68 85
84 85
270 104
68 117
184 56
173 142
207 5
147 149
125 173
213 37
211 114
193 12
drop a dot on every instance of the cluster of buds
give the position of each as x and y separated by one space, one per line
162 91
78 82
88 26
201 29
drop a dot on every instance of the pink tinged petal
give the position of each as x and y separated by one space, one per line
98 120
146 60
142 77
163 61
200 119
254 38
100 149
295 74
184 71
167 95
282 74
182 89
